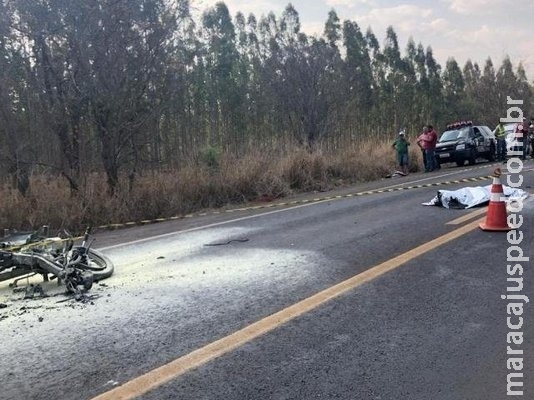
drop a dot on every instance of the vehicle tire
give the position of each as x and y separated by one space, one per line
99 264
472 157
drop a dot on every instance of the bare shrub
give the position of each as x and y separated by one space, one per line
304 171
260 175
14 208
371 159
251 177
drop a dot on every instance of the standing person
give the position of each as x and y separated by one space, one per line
401 145
433 136
521 132
531 137
427 140
500 135
422 145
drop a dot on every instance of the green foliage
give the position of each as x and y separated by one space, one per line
211 157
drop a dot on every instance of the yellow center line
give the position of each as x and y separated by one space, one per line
467 217
161 375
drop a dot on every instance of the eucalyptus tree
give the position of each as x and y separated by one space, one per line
525 91
435 88
271 117
246 77
397 87
126 46
338 117
454 92
95 67
17 103
407 96
253 44
285 72
513 84
220 56
298 72
184 110
388 70
227 78
488 93
52 30
373 49
332 29
506 84
357 76
472 74
415 58
378 71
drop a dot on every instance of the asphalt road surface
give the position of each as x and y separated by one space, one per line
362 293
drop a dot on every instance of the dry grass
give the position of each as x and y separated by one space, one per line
259 176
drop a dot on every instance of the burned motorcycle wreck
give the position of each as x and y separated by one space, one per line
25 254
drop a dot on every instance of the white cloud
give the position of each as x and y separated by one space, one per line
406 19
313 28
480 8
463 29
459 37
396 14
402 11
470 7
481 43
440 25
348 3
480 35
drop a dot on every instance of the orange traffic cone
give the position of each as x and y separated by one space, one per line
496 215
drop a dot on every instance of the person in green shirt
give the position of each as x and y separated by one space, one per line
401 145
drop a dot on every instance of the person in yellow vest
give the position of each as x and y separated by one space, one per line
500 135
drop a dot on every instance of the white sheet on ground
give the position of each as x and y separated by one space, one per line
472 196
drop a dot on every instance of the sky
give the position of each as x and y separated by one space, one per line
462 29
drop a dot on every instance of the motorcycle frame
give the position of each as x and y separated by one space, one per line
23 264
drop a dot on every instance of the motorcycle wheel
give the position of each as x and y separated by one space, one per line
99 264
